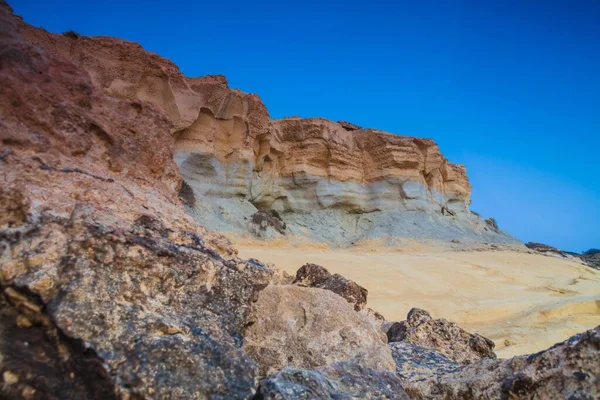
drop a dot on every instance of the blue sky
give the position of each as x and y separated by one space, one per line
511 89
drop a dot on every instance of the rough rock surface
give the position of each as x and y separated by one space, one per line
340 380
412 361
331 181
116 299
443 336
568 370
309 327
313 275
267 224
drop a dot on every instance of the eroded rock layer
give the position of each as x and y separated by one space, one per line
109 290
331 181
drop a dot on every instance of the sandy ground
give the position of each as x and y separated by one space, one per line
524 302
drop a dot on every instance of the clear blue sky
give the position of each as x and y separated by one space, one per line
511 89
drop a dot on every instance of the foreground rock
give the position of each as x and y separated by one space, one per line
568 370
313 275
413 361
307 328
341 380
443 336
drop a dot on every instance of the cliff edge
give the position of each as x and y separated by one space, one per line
325 180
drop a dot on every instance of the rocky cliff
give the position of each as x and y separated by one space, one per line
108 290
329 181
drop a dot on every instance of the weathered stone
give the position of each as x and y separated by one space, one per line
377 320
309 327
161 310
568 370
413 360
340 380
267 224
441 335
313 275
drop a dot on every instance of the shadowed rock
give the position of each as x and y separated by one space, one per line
441 335
309 327
266 223
568 370
39 361
341 380
413 360
313 275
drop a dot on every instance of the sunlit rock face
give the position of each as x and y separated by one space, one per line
331 181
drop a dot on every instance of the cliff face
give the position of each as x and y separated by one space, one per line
322 176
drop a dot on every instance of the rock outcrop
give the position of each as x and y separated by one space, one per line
442 336
590 257
568 370
307 328
100 293
313 275
330 181
108 290
340 380
267 224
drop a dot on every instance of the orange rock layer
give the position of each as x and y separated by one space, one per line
227 146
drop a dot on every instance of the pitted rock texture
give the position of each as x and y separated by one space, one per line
340 380
413 361
443 336
321 175
313 275
568 370
163 312
309 327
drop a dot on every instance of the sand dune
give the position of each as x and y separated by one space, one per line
524 302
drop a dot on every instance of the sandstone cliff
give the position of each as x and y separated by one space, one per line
108 290
330 181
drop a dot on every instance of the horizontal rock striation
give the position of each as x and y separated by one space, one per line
332 181
108 290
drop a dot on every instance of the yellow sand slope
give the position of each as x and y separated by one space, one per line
524 302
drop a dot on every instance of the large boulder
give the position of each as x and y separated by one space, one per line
313 275
307 328
340 380
441 335
568 370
